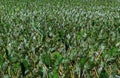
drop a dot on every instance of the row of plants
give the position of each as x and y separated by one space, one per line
59 39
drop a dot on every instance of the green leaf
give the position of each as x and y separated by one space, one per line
47 59
14 59
83 61
55 74
25 64
104 74
57 57
1 60
114 52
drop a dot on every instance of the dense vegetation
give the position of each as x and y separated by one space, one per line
60 39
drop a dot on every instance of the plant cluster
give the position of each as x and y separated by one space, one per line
60 39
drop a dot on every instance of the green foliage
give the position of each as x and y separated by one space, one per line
59 39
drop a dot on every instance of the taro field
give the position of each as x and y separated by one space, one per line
59 38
